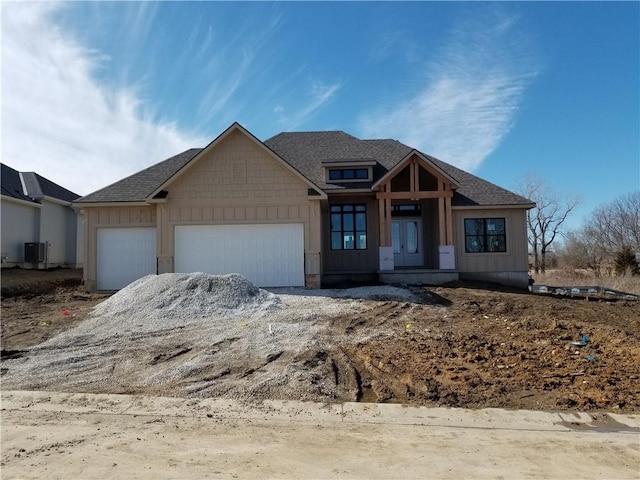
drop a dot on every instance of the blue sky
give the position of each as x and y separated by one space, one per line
94 91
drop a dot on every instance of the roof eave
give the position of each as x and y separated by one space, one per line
57 200
349 190
20 201
520 206
82 205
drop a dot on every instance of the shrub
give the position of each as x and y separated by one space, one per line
626 262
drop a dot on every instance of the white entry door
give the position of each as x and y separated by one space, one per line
125 255
270 255
407 242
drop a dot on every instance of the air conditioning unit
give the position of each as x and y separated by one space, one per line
35 252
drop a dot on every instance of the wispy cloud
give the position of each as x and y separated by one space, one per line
58 120
469 99
234 62
319 94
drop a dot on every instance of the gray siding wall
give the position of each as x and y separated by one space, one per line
59 228
51 223
19 225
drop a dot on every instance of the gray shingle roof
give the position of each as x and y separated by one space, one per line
473 191
137 187
39 187
36 186
11 184
306 151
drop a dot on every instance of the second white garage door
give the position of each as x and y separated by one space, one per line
270 255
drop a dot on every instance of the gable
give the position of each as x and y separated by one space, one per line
430 173
237 168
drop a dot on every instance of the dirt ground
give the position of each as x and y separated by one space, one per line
481 347
61 435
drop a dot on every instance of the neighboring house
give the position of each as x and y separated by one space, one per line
305 209
40 228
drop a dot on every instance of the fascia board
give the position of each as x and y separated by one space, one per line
19 201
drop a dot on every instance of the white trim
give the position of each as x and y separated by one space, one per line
82 205
57 200
24 186
20 201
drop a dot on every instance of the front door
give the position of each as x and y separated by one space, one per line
407 242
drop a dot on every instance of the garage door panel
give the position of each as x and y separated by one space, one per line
267 254
124 255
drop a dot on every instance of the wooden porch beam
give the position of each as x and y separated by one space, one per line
447 207
387 208
442 222
412 175
414 195
382 224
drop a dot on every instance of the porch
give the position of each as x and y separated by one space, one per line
415 223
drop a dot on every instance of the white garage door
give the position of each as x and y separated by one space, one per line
124 255
268 255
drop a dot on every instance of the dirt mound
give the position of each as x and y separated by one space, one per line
181 295
462 347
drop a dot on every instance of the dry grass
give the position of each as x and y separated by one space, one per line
627 283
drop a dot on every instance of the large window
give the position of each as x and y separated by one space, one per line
348 227
484 235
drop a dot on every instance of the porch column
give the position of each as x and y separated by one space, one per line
442 230
384 217
449 215
446 251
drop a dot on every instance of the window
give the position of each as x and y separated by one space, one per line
349 174
348 227
409 210
484 235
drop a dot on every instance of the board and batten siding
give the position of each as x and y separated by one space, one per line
352 261
511 265
103 217
238 182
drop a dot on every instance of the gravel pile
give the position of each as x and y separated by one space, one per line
182 295
206 335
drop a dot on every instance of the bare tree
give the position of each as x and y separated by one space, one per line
612 231
617 223
545 220
582 250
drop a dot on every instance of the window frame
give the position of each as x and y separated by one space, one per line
352 223
340 173
485 235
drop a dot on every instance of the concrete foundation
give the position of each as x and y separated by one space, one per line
418 277
510 279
